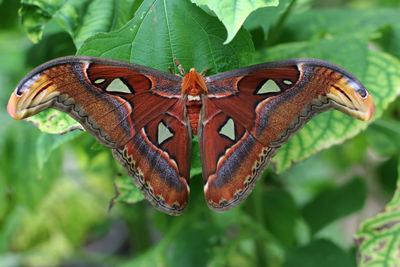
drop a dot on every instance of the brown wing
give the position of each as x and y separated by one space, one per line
249 113
158 158
135 110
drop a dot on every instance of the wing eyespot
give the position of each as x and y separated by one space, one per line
363 93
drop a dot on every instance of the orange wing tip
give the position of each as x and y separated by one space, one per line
12 107
349 101
370 108
362 109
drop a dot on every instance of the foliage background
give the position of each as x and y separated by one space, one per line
55 190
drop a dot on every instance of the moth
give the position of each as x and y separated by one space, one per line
148 117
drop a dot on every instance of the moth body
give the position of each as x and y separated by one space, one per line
193 86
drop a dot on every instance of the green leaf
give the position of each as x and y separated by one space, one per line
308 178
124 10
35 14
387 173
54 122
378 24
80 18
379 72
126 190
334 22
378 238
9 227
163 30
384 136
8 14
47 143
67 214
19 167
233 13
335 203
318 253
51 46
155 256
266 17
205 238
280 214
97 16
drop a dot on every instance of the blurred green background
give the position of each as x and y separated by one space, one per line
55 190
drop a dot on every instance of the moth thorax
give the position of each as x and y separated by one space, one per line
193 84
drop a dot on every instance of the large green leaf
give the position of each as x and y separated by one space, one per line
379 237
163 30
379 72
233 13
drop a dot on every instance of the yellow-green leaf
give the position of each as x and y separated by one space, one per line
379 237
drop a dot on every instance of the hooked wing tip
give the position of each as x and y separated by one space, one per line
12 107
369 109
352 98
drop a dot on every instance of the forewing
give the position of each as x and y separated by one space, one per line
265 106
135 110
112 99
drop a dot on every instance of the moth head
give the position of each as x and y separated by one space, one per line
193 84
348 95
